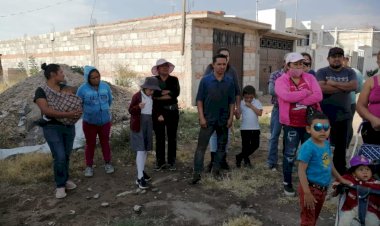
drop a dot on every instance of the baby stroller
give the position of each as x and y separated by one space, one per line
370 151
363 193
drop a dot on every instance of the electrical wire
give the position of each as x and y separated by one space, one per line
34 10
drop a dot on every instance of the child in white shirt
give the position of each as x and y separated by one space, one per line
250 108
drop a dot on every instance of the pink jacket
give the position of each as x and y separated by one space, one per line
285 97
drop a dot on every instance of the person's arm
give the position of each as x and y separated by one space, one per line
328 89
258 111
134 108
201 116
343 86
359 78
309 200
338 177
271 82
110 97
362 105
282 89
316 95
50 112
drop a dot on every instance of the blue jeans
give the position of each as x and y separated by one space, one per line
292 138
214 141
203 140
60 139
275 131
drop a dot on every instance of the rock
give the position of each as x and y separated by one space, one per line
72 212
19 111
89 189
154 189
88 197
96 196
51 223
124 193
137 208
143 192
105 204
138 190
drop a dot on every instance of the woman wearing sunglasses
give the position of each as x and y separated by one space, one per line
307 63
295 90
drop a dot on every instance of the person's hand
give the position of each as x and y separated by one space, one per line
309 201
346 182
237 113
141 105
331 82
203 122
308 92
165 92
160 118
376 124
248 104
74 114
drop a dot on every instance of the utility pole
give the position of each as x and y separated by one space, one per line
257 10
183 27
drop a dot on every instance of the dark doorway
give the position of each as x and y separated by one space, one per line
234 41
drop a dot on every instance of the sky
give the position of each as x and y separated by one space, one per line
32 17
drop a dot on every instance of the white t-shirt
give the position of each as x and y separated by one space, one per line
147 109
250 121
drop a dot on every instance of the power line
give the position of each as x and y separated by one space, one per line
34 10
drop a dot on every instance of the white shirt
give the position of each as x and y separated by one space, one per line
147 109
250 121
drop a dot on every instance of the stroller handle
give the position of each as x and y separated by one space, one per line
344 187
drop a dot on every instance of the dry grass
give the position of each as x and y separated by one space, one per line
243 221
27 168
242 182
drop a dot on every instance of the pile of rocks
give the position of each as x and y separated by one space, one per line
18 111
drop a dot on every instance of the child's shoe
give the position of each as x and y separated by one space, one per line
109 168
89 171
141 183
289 190
70 185
146 177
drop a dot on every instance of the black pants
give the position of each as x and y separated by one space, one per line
351 128
338 136
250 141
369 135
168 127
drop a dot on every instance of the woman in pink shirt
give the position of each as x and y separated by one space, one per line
368 107
295 91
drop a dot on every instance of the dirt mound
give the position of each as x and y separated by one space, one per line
18 111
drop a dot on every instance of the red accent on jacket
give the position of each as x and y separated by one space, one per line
135 111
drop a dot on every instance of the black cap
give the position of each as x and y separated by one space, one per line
336 51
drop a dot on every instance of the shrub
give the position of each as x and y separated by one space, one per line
77 69
125 76
33 67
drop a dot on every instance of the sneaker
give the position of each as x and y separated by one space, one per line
289 191
159 167
60 193
109 168
70 185
196 178
146 177
273 169
172 167
142 183
89 171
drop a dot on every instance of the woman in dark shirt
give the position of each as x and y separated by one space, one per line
59 129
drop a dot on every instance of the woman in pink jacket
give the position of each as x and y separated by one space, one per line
295 90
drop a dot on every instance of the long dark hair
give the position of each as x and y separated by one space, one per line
49 68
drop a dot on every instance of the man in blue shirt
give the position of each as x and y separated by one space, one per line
215 103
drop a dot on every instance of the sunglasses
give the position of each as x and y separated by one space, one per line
307 64
319 126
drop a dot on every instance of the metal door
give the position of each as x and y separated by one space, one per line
272 52
234 41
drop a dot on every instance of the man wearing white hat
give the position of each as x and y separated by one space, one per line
165 114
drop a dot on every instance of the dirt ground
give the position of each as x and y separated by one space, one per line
170 201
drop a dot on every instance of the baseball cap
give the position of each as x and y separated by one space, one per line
336 51
358 160
293 57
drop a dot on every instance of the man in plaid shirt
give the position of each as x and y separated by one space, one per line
275 125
